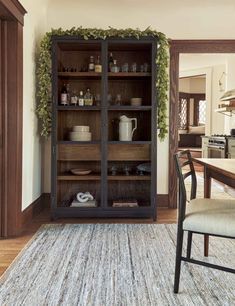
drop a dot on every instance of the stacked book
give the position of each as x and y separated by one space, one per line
90 203
125 203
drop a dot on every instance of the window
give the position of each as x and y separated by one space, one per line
183 114
202 112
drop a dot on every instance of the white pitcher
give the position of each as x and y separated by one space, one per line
125 128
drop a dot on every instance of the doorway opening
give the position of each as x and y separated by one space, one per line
190 116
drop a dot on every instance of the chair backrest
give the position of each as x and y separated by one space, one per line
183 159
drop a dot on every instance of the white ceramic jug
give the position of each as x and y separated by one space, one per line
125 128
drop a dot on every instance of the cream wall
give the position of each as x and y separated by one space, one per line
230 121
178 19
34 28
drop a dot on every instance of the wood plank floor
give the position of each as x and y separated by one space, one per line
10 248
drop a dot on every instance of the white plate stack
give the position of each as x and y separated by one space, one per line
80 133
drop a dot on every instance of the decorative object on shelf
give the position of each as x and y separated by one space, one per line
136 101
125 128
110 99
134 67
97 99
126 170
74 98
146 67
110 63
125 203
143 168
44 81
80 133
91 66
81 128
113 170
98 67
64 96
81 99
118 99
114 67
80 171
83 199
125 67
88 98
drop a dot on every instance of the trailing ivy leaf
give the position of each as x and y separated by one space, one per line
44 107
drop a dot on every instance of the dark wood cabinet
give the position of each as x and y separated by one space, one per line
70 56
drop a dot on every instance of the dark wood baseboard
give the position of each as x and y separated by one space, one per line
162 200
43 201
35 208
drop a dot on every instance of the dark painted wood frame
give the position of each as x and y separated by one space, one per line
104 210
178 47
182 159
11 101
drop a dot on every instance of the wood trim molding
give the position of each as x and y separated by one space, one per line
162 200
176 48
35 209
12 9
11 91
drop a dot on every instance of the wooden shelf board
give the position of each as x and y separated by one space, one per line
69 142
129 142
129 74
78 108
129 108
70 177
129 177
80 74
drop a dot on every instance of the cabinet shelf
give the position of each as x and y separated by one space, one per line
129 142
129 108
69 142
129 177
79 75
78 108
70 177
127 75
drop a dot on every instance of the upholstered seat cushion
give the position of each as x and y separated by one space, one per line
211 216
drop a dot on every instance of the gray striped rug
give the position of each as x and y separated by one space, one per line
114 265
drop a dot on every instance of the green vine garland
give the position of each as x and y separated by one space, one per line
43 109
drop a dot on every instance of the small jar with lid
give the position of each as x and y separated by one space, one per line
91 66
115 68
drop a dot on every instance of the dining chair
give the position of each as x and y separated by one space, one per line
213 217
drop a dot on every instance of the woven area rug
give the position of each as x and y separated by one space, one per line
114 265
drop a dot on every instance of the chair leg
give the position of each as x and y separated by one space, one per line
206 245
189 244
179 246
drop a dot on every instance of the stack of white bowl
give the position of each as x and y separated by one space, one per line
80 133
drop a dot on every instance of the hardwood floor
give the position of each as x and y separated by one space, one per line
10 248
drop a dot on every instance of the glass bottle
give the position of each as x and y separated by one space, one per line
114 67
98 67
91 66
64 95
110 61
81 99
68 92
88 98
74 98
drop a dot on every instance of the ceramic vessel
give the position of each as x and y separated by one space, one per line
136 101
80 136
126 129
81 128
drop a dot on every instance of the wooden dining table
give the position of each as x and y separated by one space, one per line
220 169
